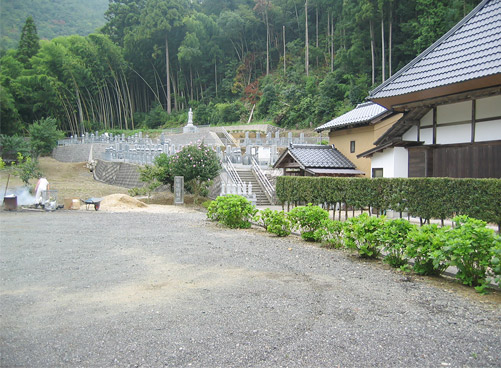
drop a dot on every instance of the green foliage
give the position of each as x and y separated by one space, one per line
156 117
330 233
362 235
232 210
495 263
28 43
199 164
307 219
2 164
392 236
275 222
217 59
468 247
44 136
27 169
134 192
68 17
12 146
422 197
425 245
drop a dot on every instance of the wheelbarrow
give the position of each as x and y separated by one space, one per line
92 201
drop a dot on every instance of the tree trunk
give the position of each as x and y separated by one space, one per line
191 83
316 29
283 31
167 67
215 74
329 33
389 44
306 53
383 61
371 29
332 43
267 41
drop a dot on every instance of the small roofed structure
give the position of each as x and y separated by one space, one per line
315 160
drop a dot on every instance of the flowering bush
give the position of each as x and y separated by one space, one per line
198 163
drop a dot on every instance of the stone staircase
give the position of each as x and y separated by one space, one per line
247 176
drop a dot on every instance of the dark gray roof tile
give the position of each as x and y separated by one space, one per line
470 50
363 113
313 155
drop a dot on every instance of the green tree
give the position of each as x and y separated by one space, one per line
44 136
29 42
198 164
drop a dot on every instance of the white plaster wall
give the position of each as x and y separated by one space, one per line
394 162
411 134
426 136
384 160
401 163
488 107
427 119
455 112
454 134
488 131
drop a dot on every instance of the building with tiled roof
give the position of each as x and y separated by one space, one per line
450 98
355 131
363 114
315 160
468 57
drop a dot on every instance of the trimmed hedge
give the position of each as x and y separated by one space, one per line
427 198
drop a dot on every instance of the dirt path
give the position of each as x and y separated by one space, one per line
71 180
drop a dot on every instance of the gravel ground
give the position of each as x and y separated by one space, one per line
140 289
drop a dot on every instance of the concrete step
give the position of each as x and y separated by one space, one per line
247 176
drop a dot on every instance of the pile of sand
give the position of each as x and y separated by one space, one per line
120 202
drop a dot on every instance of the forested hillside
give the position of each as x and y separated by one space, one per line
297 63
53 18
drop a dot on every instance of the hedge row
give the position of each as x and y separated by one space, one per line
427 198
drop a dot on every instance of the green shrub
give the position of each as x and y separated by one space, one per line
44 136
495 263
307 219
232 210
12 145
27 169
469 248
199 164
277 222
361 235
263 217
133 192
392 236
330 233
422 197
424 244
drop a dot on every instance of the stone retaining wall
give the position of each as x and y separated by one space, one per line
79 152
118 173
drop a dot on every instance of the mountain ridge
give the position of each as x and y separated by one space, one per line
53 18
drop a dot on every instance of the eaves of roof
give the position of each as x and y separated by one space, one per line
470 50
365 113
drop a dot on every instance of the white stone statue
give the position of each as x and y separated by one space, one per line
190 128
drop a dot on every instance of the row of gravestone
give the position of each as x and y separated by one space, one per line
111 138
277 140
144 154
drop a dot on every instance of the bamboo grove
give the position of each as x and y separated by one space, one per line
296 62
